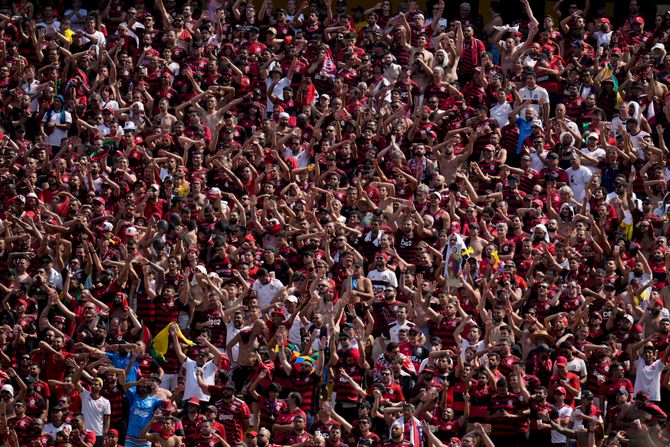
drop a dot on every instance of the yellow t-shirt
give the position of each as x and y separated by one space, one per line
68 33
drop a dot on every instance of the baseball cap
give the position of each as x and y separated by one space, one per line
560 389
586 394
7 387
561 361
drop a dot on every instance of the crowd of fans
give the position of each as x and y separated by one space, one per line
236 224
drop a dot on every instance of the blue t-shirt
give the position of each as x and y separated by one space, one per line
525 129
122 363
141 412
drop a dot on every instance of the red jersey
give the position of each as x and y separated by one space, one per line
230 415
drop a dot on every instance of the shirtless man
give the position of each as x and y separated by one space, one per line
154 387
476 242
166 437
247 339
358 286
164 118
448 163
639 410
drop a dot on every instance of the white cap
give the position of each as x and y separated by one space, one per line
107 226
8 387
324 96
292 298
201 269
131 231
593 135
214 191
214 275
658 46
537 123
284 115
630 318
129 126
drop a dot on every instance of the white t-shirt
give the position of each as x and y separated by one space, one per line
579 178
231 331
98 35
538 95
278 91
557 437
602 38
598 153
266 292
648 378
94 411
191 387
51 430
394 330
577 423
500 113
465 344
576 366
55 137
382 279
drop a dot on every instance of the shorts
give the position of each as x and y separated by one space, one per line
169 381
136 442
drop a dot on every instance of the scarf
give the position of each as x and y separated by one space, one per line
378 239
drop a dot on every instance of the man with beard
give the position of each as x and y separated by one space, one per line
114 393
396 439
153 205
207 438
648 369
203 364
21 423
166 437
232 412
142 407
299 434
95 408
540 433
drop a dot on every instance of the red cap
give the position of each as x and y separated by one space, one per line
23 302
560 389
113 432
639 20
279 312
604 20
659 302
194 401
561 361
538 202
